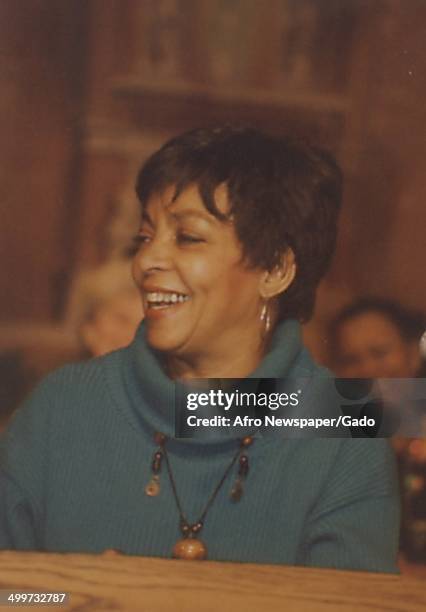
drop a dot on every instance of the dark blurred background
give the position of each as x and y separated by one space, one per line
90 87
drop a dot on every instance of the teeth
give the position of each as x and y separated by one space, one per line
169 298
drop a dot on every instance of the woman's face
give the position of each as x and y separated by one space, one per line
371 346
198 295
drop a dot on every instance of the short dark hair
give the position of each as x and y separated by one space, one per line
282 193
410 323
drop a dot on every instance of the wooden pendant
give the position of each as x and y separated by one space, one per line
237 490
190 549
153 487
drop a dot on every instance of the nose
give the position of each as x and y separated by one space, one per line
153 255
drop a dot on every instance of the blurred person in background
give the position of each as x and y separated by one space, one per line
104 312
380 339
105 308
377 338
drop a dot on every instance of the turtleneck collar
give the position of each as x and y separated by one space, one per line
153 392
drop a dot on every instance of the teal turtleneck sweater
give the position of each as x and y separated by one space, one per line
77 456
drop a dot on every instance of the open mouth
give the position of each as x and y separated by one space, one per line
161 300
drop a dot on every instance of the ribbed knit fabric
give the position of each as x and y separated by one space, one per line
77 456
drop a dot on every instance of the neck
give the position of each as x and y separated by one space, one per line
237 362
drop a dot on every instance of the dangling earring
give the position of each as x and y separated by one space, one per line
265 318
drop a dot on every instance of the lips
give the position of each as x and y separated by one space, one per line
158 298
159 301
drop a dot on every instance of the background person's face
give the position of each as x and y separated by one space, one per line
114 324
198 296
371 346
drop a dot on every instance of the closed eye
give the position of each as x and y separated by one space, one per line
188 238
141 239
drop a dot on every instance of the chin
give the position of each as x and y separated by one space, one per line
164 342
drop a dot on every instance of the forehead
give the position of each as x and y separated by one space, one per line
189 200
369 328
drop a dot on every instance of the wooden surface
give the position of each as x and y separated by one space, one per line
137 583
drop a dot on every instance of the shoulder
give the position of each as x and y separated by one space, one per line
339 469
66 393
360 460
75 380
369 462
358 469
65 408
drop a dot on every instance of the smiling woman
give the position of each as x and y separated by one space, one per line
237 229
188 268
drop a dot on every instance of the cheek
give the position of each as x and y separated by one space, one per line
401 358
211 271
222 285
198 272
396 353
135 269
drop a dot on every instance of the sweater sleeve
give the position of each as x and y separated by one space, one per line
355 523
23 451
17 521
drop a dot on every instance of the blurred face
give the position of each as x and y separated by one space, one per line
198 296
114 324
371 346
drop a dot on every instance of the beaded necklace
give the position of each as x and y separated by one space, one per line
190 546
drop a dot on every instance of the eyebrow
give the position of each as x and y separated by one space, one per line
187 213
180 215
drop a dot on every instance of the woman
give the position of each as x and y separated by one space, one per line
237 230
377 338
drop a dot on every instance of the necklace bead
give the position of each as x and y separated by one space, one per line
197 527
152 489
160 438
237 491
191 549
244 466
185 529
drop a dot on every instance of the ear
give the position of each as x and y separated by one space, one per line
278 279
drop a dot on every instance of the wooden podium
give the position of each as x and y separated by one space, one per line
103 582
